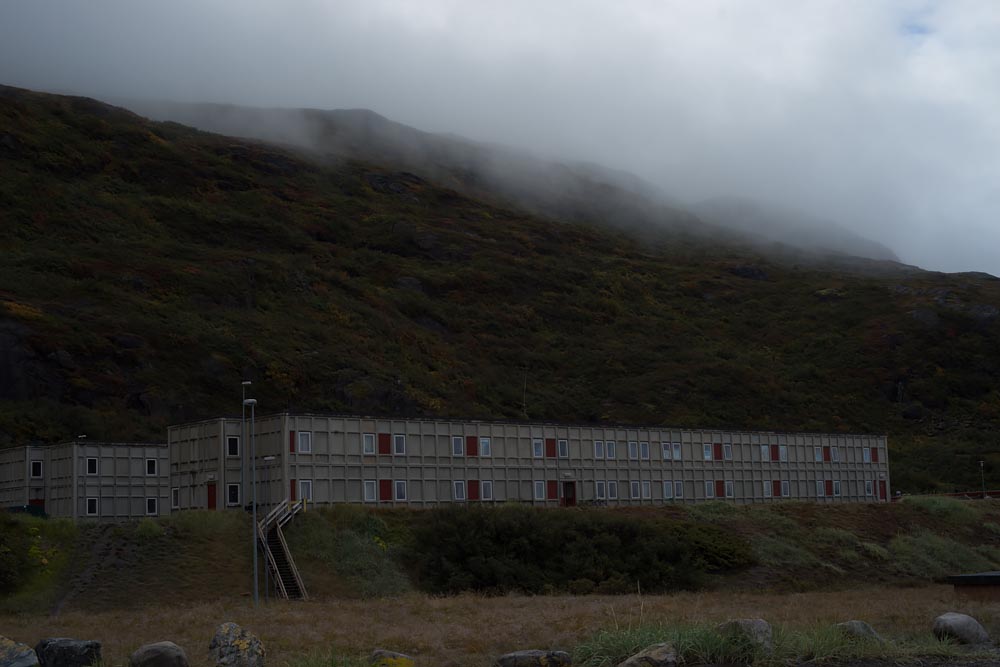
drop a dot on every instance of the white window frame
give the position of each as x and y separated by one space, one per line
677 452
710 488
562 447
612 490
768 487
486 489
600 490
97 506
820 488
647 489
783 453
305 444
835 454
156 506
539 490
537 448
229 502
836 488
730 488
765 453
786 488
633 450
229 441
457 445
599 449
371 484
866 454
458 493
156 467
706 451
303 493
678 488
97 466
817 454
41 469
399 445
666 450
610 449
634 492
668 489
643 450
175 498
869 488
485 447
396 486
727 451
368 444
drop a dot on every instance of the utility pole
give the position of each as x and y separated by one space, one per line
243 446
252 402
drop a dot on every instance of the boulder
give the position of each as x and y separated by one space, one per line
13 654
382 658
961 628
160 654
235 646
657 655
756 631
63 652
534 658
859 630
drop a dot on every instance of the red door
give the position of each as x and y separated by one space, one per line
291 490
473 489
384 444
385 490
37 502
826 454
881 490
776 488
720 488
569 494
291 444
829 487
471 445
552 489
211 495
775 453
550 448
874 454
717 451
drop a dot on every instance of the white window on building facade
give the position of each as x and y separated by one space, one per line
730 490
647 491
706 452
563 446
458 490
818 454
486 487
36 470
306 489
678 489
644 451
485 447
400 487
151 467
836 488
599 490
539 490
633 450
457 446
305 442
783 452
666 449
709 489
765 453
820 491
370 489
93 467
598 449
727 451
634 488
869 488
537 448
610 449
399 449
152 508
612 490
677 451
367 443
175 498
767 488
232 494
92 507
835 454
866 455
786 490
233 446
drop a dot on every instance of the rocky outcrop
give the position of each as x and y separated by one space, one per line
960 628
160 654
756 631
63 652
657 655
859 630
234 646
534 658
13 654
383 658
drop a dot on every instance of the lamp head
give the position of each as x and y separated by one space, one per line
250 401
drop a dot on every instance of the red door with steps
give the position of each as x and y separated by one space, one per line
211 495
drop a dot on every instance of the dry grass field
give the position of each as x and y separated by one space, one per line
470 630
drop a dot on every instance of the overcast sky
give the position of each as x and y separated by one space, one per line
882 114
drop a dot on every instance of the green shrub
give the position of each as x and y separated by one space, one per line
874 551
924 555
953 510
148 530
780 552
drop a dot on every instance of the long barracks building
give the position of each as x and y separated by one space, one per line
424 462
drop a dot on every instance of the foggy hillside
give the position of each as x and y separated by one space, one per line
580 192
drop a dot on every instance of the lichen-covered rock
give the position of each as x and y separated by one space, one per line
64 652
160 654
657 655
859 630
960 627
234 646
13 654
383 658
755 630
534 658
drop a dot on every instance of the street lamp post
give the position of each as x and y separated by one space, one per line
252 402
243 445
267 506
982 476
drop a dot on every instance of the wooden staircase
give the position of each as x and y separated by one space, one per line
278 559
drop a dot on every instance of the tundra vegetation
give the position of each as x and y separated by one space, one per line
149 267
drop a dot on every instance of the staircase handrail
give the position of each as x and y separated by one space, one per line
262 536
291 565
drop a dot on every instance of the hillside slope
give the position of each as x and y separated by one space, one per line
149 267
